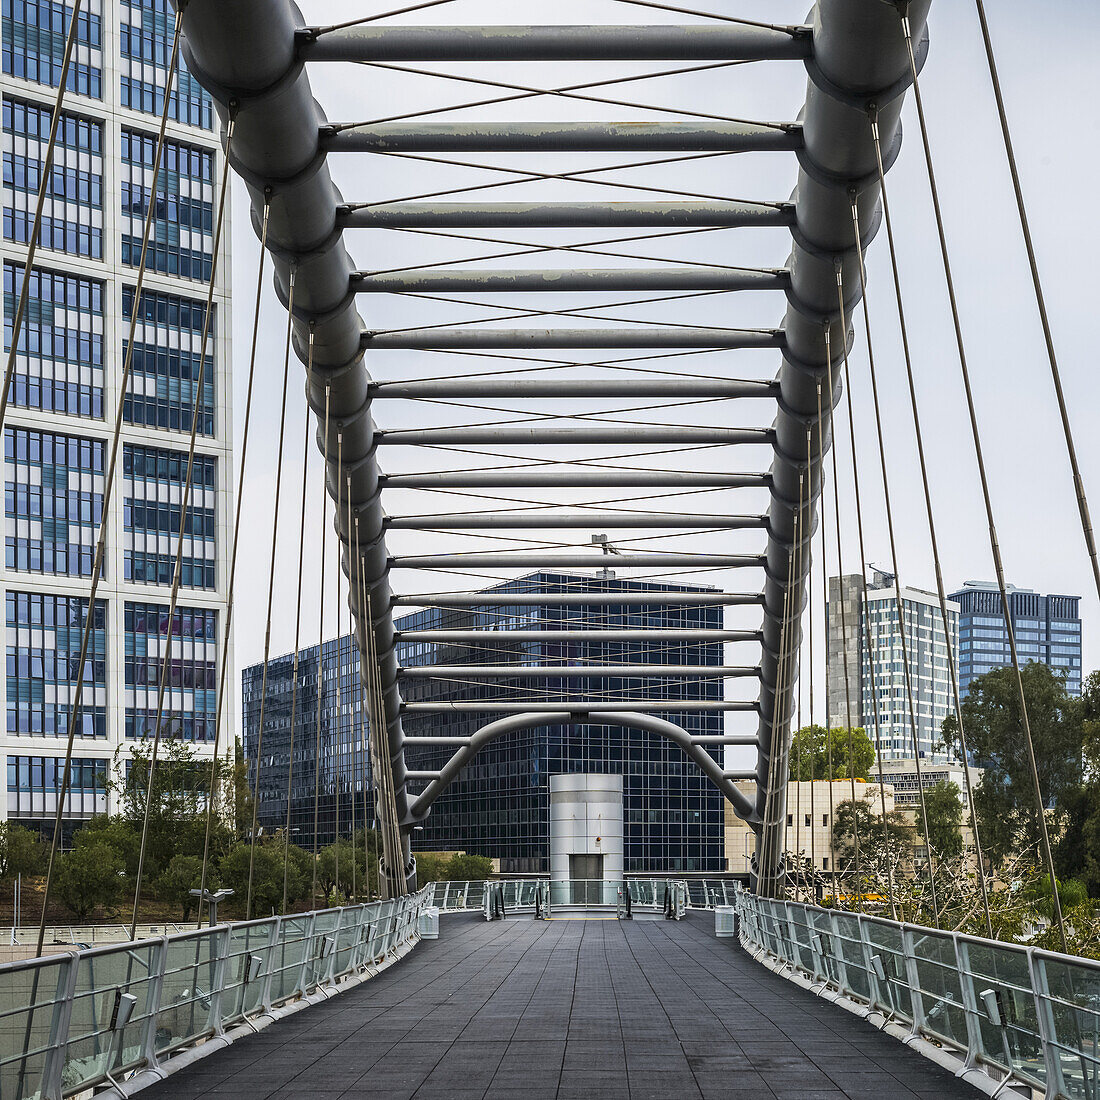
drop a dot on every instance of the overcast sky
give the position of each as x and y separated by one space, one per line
1047 58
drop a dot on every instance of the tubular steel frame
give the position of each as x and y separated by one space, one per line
251 55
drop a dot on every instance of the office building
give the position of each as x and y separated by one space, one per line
810 811
500 805
1047 630
66 389
876 679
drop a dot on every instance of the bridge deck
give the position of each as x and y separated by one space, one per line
598 1010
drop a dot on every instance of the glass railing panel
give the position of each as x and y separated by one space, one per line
799 929
104 976
248 958
287 957
1071 999
344 937
186 1003
849 946
29 997
322 945
886 945
828 950
1010 1038
939 986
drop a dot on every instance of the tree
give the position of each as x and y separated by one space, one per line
267 876
1005 800
182 875
943 803
88 877
1077 854
850 752
875 837
462 868
21 851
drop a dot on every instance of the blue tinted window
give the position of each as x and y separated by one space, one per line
34 36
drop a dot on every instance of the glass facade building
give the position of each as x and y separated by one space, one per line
66 389
863 679
1047 630
500 805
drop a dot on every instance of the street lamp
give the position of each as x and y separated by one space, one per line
212 899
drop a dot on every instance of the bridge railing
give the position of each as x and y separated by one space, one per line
458 896
72 1021
1018 1010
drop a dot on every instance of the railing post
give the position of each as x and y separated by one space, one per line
1048 1028
221 965
54 1065
156 985
270 954
970 1002
912 978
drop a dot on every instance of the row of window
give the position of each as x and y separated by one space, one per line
44 635
34 34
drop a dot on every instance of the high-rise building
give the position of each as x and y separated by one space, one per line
1047 630
499 806
66 388
863 680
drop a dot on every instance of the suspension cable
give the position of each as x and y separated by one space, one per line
864 617
297 652
843 613
337 725
351 704
998 564
270 595
185 507
44 184
320 633
108 487
810 685
899 603
223 671
940 590
829 840
361 695
1040 301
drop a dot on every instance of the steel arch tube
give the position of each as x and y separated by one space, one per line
658 597
574 479
564 215
646 722
581 706
560 280
577 389
560 137
520 521
559 672
577 561
556 43
656 336
494 436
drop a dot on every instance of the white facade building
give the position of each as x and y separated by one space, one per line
866 680
66 390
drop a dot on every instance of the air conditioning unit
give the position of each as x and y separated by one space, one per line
725 922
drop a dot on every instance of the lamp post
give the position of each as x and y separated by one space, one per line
212 898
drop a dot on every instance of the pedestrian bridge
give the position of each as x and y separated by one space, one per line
569 1008
513 998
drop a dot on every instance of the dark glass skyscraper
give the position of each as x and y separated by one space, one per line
500 805
1047 629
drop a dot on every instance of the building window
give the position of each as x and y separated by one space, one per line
824 863
59 367
154 482
790 820
182 241
72 216
44 635
53 499
146 29
824 820
34 782
165 365
190 696
35 32
809 821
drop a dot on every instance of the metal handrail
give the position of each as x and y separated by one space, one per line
1006 1010
78 1019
